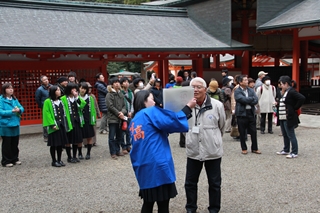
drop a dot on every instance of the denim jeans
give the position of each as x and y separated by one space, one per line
126 135
115 135
289 136
213 170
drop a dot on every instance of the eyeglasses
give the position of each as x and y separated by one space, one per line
197 87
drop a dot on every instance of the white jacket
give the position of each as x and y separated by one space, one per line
207 144
266 98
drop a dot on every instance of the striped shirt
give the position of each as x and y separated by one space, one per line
282 107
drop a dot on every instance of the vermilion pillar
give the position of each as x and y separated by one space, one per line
295 57
165 75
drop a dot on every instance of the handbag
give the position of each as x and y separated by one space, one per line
234 132
124 125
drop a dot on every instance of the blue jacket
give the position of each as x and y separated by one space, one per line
42 94
151 154
7 117
242 101
102 92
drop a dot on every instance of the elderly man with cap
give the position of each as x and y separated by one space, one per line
266 95
62 83
259 83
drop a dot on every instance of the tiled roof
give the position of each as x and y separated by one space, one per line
298 14
95 28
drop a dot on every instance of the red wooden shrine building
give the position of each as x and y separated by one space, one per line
53 37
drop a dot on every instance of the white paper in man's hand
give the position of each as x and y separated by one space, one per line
175 99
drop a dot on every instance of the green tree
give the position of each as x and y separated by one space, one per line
135 2
135 66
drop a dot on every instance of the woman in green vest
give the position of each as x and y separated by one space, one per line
57 124
89 116
74 106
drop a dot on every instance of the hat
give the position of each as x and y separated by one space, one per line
62 79
225 81
179 79
89 85
72 74
136 81
213 86
265 78
114 80
262 73
157 80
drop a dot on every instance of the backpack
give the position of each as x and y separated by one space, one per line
261 89
218 95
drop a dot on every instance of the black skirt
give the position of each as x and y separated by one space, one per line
160 193
87 130
58 138
75 135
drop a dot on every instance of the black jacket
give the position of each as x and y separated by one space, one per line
293 102
102 92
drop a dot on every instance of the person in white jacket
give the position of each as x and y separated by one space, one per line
266 95
204 146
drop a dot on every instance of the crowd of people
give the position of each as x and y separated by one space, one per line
133 116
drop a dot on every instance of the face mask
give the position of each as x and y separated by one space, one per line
230 82
140 85
267 82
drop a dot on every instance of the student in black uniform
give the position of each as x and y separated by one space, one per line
74 105
89 116
54 119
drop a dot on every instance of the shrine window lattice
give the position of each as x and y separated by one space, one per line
26 82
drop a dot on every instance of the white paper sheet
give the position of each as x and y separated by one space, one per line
175 99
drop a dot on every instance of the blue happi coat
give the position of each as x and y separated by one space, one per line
151 154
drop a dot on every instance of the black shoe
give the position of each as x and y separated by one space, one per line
81 157
76 160
71 160
262 132
87 157
55 164
270 132
61 163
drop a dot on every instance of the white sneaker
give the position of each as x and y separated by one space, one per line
18 163
282 153
291 155
103 132
9 165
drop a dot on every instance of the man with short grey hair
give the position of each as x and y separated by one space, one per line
42 93
204 147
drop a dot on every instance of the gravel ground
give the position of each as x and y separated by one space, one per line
251 183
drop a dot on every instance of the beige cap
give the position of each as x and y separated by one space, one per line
262 73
